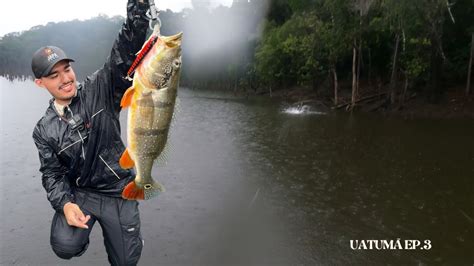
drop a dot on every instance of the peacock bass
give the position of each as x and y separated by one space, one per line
151 102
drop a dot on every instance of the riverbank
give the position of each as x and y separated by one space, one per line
453 104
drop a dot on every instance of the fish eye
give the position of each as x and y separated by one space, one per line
176 63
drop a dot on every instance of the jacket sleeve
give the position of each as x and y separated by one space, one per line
54 176
109 82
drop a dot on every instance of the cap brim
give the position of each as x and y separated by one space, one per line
48 70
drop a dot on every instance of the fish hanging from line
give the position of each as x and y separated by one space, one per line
151 102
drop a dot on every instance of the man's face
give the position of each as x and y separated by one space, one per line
61 82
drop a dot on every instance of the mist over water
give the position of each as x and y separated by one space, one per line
221 29
221 36
218 43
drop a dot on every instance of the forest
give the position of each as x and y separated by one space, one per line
346 52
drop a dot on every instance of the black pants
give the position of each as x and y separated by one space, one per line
120 222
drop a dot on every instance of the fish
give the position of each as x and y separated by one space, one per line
151 102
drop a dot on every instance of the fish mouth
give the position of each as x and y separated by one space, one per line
172 41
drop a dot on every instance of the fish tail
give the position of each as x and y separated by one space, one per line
142 192
133 192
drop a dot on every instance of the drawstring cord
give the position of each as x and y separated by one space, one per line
110 168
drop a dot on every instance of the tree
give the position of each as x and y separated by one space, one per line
399 16
362 7
335 35
469 71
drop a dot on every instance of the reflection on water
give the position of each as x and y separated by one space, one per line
249 184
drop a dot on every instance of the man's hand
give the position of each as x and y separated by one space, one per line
74 215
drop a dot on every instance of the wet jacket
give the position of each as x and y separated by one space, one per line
87 155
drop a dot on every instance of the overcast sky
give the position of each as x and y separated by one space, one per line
17 15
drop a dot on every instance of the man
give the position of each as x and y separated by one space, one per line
79 145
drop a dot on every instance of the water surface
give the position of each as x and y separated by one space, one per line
252 183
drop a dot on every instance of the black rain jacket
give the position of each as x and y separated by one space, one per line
87 157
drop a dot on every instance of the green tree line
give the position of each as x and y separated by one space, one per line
365 47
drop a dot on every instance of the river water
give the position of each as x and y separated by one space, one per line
252 183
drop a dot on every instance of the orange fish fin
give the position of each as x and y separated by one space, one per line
133 192
126 162
127 97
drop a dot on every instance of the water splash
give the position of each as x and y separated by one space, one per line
301 110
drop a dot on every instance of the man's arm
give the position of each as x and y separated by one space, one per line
54 177
57 185
109 80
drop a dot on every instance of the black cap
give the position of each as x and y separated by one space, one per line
45 58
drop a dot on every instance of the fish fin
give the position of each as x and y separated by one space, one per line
133 192
176 112
177 108
145 192
162 159
127 97
126 161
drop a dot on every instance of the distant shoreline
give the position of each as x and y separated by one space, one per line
452 104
